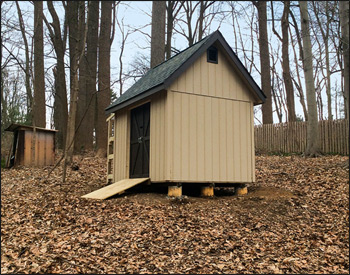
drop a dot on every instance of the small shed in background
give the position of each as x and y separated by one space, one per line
21 149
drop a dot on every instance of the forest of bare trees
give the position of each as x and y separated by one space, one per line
63 63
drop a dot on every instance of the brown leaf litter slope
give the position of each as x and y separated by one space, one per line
295 219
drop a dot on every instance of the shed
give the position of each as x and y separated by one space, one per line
21 152
188 120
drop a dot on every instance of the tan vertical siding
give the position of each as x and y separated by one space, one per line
176 133
211 139
219 80
185 150
223 128
158 155
215 146
230 139
208 139
170 135
193 138
201 137
122 145
237 162
252 147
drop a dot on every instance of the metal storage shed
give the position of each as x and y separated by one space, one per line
188 120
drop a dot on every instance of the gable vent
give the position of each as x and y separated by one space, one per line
212 55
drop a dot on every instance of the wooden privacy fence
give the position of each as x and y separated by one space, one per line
290 137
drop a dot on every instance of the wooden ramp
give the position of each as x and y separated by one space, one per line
115 188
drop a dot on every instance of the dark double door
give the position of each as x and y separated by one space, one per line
139 141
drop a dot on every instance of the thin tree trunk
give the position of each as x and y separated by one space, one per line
344 23
73 13
60 98
158 33
298 84
71 130
124 37
82 96
276 99
169 27
328 87
104 77
27 66
264 62
39 80
75 63
288 84
3 101
325 36
202 7
172 10
91 56
312 147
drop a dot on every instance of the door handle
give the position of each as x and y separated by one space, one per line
140 140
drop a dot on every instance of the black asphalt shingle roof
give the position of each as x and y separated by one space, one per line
162 75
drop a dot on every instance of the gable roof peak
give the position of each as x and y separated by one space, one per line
161 76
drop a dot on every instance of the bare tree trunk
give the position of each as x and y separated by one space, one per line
60 98
27 66
39 80
82 95
158 33
202 7
298 84
189 11
285 58
104 77
328 87
274 84
88 122
72 13
3 101
325 37
344 23
124 37
202 25
172 9
285 64
76 57
73 20
264 62
169 28
312 147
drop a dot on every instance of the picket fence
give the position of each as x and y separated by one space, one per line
290 137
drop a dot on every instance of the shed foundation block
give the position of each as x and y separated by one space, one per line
175 191
241 190
207 191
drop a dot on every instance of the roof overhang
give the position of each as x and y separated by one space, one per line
134 99
15 127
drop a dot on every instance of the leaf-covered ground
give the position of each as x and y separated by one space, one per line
295 219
